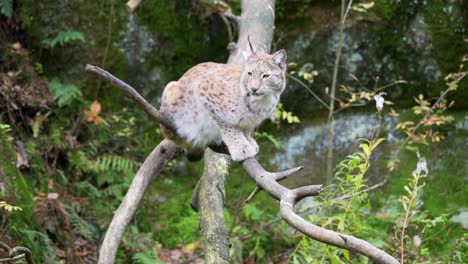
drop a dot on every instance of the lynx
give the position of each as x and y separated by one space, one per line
214 103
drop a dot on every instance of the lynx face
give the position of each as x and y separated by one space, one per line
264 74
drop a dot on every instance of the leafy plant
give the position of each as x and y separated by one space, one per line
64 37
4 129
9 207
6 7
276 142
145 258
461 252
63 93
282 114
342 206
433 117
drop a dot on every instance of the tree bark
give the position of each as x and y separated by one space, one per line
211 203
255 23
153 164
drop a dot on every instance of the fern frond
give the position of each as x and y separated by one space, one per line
64 37
80 226
115 163
145 258
63 93
89 188
116 190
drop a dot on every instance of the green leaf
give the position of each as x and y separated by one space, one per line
6 7
252 212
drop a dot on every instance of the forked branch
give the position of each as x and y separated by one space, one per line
288 197
264 179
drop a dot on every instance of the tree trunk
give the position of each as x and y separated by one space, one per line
256 23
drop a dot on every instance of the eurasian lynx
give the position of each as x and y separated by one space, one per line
213 102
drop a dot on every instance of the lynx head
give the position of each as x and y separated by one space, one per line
264 74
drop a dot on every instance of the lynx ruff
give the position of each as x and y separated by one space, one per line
214 103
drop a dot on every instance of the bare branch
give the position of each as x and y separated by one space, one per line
159 157
133 94
232 17
292 77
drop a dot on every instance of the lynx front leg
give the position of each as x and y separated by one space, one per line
252 141
237 143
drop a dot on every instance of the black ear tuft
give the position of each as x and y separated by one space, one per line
280 57
250 45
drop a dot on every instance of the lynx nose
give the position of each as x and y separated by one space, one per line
254 89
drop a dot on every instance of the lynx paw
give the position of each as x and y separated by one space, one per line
254 144
243 152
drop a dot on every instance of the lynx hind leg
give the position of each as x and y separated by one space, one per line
172 97
237 143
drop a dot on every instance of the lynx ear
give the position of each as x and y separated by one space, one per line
279 58
252 50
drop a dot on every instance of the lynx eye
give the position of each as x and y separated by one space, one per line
250 74
264 76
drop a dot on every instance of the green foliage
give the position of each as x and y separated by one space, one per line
8 207
461 251
282 114
306 72
6 7
145 258
342 205
63 93
276 142
81 226
252 213
4 129
39 244
64 37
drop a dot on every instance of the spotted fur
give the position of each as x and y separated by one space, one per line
213 102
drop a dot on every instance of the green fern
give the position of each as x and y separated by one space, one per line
80 226
89 188
4 128
39 244
63 93
116 190
115 163
6 7
145 258
64 37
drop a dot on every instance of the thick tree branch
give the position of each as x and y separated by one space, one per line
159 157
